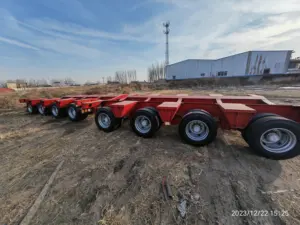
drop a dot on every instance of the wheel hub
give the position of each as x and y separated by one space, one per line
142 124
54 111
41 109
196 128
104 120
29 108
273 137
72 113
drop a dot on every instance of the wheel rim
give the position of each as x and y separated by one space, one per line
41 109
104 120
278 140
29 108
142 124
197 130
54 110
72 113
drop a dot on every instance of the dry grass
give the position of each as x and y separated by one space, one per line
116 88
18 133
8 100
11 100
113 218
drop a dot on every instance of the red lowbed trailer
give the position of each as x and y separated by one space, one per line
271 130
57 107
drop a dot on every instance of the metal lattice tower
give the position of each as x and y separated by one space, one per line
166 32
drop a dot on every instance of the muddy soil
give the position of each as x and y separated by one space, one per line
114 178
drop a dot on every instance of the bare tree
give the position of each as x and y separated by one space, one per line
42 83
131 76
109 79
69 81
156 72
121 77
126 76
3 84
32 83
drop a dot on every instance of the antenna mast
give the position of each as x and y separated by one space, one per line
166 32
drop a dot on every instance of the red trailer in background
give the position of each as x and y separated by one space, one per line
271 130
58 107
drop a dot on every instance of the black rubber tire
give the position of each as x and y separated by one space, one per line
62 112
158 119
201 111
114 122
261 125
206 118
79 116
197 110
47 111
252 120
151 115
34 108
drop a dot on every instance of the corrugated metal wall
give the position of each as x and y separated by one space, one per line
234 65
248 63
274 60
188 69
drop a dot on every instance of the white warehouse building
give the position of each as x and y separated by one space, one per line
244 64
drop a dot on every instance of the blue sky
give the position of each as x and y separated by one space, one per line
91 39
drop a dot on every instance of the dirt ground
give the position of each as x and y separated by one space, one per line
114 178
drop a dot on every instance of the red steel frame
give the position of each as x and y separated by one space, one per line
232 112
64 101
46 101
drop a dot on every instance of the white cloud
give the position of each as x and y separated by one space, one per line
70 8
17 43
68 48
267 6
202 29
75 29
266 36
44 40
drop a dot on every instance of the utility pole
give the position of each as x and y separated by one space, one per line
166 32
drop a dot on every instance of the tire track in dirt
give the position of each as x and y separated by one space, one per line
225 184
27 160
88 171
247 192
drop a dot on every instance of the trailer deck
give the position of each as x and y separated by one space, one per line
234 112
